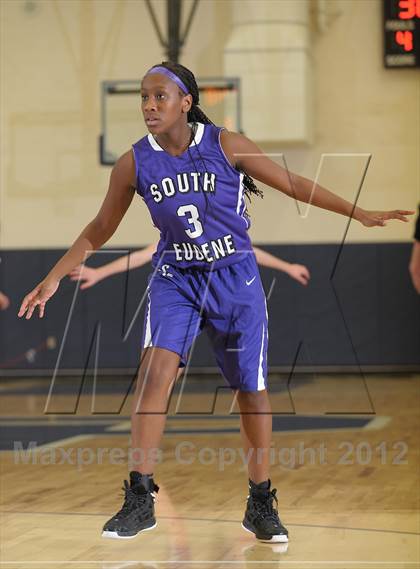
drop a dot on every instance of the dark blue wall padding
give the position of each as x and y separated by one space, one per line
361 310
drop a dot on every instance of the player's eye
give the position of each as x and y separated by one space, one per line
144 97
160 96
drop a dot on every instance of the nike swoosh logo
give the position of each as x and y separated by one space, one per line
251 281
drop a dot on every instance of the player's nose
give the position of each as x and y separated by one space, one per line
150 104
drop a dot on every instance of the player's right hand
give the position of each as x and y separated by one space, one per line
39 296
88 275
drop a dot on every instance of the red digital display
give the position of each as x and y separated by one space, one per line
402 33
408 9
405 39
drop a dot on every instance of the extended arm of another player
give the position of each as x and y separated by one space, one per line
91 276
96 233
266 259
246 155
295 271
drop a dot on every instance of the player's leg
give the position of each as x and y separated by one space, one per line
157 374
256 429
171 324
239 334
261 515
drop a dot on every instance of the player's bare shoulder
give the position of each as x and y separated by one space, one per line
236 145
124 171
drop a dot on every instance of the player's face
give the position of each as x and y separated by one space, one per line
162 103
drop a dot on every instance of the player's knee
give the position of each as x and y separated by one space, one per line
156 379
253 401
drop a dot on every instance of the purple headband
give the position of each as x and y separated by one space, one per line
171 75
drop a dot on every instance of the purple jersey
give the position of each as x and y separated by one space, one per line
196 200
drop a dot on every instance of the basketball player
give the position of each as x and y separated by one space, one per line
90 276
193 177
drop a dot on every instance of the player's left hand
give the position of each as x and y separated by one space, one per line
300 273
379 218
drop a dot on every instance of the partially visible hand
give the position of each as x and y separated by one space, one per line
4 301
86 274
299 273
414 266
39 296
378 218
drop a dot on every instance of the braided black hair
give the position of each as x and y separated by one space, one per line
195 114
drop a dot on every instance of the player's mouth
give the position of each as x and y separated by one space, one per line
152 121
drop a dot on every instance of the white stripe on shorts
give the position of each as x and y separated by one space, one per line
148 335
261 383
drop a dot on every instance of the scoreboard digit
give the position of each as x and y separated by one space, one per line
401 33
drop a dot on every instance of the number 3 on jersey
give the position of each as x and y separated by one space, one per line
192 220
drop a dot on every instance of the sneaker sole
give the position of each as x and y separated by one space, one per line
114 534
274 539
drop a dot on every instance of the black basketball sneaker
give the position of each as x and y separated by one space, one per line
261 516
138 511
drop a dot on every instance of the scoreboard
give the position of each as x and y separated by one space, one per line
401 33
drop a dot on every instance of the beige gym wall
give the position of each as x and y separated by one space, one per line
54 53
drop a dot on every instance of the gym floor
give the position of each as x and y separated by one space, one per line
345 463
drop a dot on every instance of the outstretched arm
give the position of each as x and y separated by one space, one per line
91 276
295 271
247 156
96 233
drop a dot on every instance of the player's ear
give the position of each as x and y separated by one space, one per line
186 103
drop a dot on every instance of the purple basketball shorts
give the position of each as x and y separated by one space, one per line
229 303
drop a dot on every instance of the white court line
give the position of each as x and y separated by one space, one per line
52 444
374 424
284 562
61 442
377 423
124 426
53 423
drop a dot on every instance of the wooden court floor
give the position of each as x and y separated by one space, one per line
345 463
